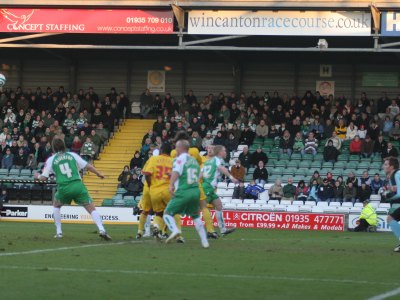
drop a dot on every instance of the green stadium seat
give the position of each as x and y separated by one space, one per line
377 159
300 172
293 164
248 178
107 202
375 165
118 202
272 178
284 156
251 170
319 157
308 157
121 191
352 165
296 156
3 173
363 165
289 171
340 165
26 173
327 165
14 173
316 165
273 156
337 172
305 164
343 157
276 171
354 158
129 202
280 163
372 172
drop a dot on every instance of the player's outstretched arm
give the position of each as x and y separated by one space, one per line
174 178
225 171
92 169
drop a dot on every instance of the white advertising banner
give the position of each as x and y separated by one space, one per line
382 224
69 214
309 23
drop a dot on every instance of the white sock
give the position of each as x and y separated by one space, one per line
97 219
221 222
170 221
147 225
57 219
201 231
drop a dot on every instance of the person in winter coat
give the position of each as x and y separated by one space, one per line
298 143
260 175
238 171
355 146
380 146
349 193
338 191
124 176
289 190
301 191
136 161
245 157
286 144
363 193
368 217
330 152
325 192
275 192
376 184
257 156
367 147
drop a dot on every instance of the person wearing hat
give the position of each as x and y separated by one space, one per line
368 217
245 157
238 171
258 155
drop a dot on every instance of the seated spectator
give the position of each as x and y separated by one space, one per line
352 178
231 145
337 142
317 128
351 131
238 171
253 191
317 177
325 192
380 146
374 130
88 150
305 128
313 190
258 155
330 152
20 159
365 178
376 184
390 151
260 175
289 190
8 160
31 162
196 140
245 158
124 176
310 145
387 126
341 130
338 191
364 192
362 132
273 133
146 147
136 161
394 133
355 146
275 192
368 217
262 131
247 136
76 145
367 147
350 193
238 191
286 144
219 139
207 141
151 134
301 191
298 143
134 186
393 109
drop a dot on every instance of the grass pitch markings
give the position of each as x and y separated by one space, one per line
386 295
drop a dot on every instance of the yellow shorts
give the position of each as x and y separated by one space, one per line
145 202
203 196
159 198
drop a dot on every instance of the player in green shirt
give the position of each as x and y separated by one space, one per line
66 166
184 188
210 172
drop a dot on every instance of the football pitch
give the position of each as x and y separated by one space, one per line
249 264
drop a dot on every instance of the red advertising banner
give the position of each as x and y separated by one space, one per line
51 20
279 220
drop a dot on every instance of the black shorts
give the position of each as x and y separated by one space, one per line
396 214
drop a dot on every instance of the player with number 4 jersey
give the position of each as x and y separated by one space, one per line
66 166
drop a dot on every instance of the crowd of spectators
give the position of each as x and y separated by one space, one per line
30 119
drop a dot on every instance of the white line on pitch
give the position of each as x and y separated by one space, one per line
65 248
388 294
229 276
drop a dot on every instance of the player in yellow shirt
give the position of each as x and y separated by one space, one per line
194 152
157 174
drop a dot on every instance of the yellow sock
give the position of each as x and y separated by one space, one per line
142 221
178 222
159 222
208 220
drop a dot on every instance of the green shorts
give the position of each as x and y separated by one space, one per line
185 202
75 190
210 193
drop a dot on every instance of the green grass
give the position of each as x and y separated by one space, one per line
249 264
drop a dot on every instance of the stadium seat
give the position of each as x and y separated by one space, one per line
330 209
236 201
273 202
376 165
255 206
317 209
357 204
295 157
305 164
322 204
286 202
276 171
26 173
118 202
375 198
356 210
316 165
328 165
280 163
241 147
319 157
121 191
347 204
230 206
382 210
345 210
354 158
343 157
280 207
222 185
264 196
293 164
292 208
107 202
260 202
340 165
14 173
337 204
242 206
298 202
384 205
289 171
248 201
310 203
305 208
267 207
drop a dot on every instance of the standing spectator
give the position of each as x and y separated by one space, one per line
289 190
310 145
390 151
298 143
146 103
380 146
238 171
136 161
338 191
301 191
245 158
286 144
260 175
355 146
258 155
367 147
262 131
275 192
8 160
350 193
330 152
364 192
376 184
325 192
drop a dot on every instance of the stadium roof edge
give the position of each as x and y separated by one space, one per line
232 4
